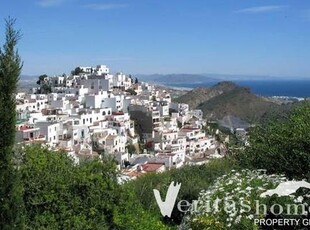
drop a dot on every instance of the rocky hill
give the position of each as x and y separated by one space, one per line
227 98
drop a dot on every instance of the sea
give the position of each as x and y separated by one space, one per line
288 88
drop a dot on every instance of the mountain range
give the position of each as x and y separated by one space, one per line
206 79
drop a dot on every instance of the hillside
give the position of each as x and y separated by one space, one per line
227 98
199 95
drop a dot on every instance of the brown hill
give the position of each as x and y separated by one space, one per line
227 98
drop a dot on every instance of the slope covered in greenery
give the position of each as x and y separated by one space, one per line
58 194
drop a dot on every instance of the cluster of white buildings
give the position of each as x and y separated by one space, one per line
96 112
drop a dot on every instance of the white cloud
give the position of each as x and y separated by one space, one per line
102 6
48 3
262 9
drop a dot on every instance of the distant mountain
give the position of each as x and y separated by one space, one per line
228 99
27 81
203 79
28 77
165 79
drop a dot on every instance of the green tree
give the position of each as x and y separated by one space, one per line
281 145
45 87
41 79
60 194
132 216
131 149
10 189
77 71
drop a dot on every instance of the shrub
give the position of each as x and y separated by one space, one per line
192 178
281 146
59 194
231 202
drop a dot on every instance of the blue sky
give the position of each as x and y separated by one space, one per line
256 37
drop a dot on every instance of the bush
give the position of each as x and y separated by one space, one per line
61 195
281 146
58 194
230 203
192 178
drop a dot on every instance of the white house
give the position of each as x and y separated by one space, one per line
51 130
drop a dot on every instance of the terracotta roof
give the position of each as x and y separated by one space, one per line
152 167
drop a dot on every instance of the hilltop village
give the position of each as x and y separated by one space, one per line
93 113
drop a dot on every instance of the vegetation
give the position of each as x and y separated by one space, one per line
131 91
192 178
45 87
131 149
61 195
58 194
77 71
234 200
10 190
281 145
